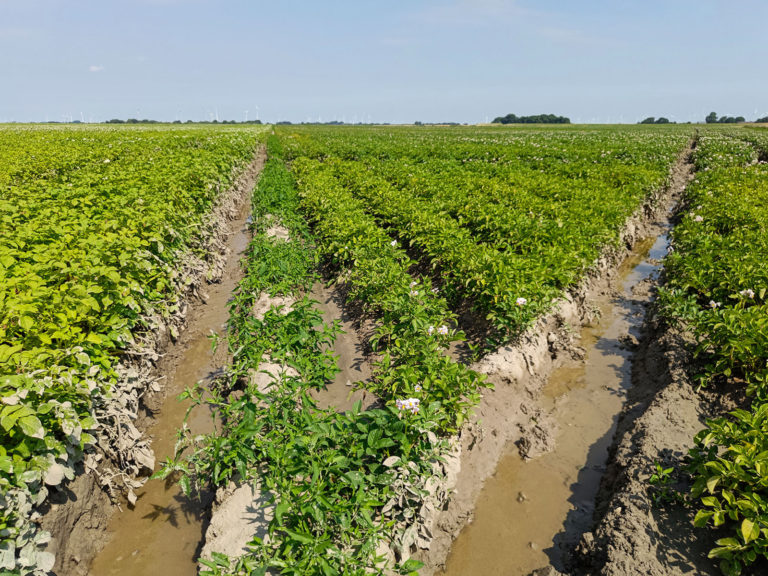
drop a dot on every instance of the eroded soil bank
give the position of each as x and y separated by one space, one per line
161 532
523 418
531 512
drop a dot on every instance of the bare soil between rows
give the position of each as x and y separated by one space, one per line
84 516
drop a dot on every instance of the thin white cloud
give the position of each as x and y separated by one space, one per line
95 68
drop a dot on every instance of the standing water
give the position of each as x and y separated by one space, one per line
529 513
163 532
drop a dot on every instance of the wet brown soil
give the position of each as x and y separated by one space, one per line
161 533
350 353
555 492
527 414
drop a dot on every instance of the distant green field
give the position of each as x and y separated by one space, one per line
499 214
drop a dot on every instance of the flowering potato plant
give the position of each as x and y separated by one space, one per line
340 483
496 215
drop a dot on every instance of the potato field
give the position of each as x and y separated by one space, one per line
446 248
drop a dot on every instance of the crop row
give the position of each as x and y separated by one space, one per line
504 217
717 283
340 483
96 226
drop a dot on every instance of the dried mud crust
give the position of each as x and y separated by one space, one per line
77 515
511 411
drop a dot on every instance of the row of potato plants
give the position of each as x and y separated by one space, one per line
95 223
505 216
717 283
341 484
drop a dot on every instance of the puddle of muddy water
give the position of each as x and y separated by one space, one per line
529 513
162 533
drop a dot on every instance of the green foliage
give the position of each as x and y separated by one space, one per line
94 224
339 483
652 120
535 119
730 461
713 119
717 284
717 279
661 488
375 268
492 216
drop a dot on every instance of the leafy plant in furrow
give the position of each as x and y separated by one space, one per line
94 222
414 320
717 283
340 482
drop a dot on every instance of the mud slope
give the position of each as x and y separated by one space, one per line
513 412
79 515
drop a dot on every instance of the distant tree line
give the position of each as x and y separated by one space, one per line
146 121
537 119
652 120
713 119
420 123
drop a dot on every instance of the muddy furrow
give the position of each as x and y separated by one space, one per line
664 411
157 531
525 417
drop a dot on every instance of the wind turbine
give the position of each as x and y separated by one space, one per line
257 111
246 116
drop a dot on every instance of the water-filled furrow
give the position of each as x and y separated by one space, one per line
529 513
162 533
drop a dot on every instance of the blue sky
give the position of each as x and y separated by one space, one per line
385 61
